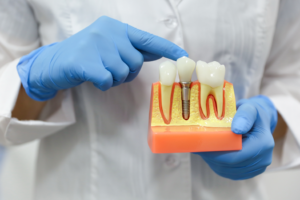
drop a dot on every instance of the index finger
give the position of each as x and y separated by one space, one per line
154 44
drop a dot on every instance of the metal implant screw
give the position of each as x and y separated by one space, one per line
186 109
185 96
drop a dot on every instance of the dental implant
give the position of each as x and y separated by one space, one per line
186 67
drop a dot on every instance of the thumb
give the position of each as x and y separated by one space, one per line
153 44
244 119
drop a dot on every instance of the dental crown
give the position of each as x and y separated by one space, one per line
186 67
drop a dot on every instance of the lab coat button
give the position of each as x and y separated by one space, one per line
171 23
171 161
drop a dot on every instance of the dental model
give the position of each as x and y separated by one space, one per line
186 67
192 117
211 77
167 75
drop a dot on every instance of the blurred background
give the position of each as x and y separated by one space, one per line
283 185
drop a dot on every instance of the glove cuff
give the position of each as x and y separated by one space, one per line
23 69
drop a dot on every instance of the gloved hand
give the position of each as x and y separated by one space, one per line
107 53
256 119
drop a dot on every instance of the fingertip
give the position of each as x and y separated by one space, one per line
181 54
239 125
244 119
177 53
153 44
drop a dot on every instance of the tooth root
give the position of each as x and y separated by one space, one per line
205 90
166 93
217 92
167 75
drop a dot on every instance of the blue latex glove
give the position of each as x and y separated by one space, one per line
256 119
107 53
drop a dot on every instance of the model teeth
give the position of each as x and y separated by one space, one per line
211 77
167 75
186 67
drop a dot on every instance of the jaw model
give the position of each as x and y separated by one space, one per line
212 108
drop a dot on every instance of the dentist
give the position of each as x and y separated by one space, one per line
77 76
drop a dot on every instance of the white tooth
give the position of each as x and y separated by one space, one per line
211 77
186 67
167 75
217 74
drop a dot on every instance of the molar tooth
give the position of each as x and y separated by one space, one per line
167 75
211 77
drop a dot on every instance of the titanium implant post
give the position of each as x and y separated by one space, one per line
185 96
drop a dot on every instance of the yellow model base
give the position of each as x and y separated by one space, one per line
195 117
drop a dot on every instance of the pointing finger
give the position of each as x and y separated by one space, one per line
153 44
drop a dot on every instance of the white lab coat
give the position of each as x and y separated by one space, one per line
94 143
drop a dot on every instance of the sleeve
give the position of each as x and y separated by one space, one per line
281 83
18 37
